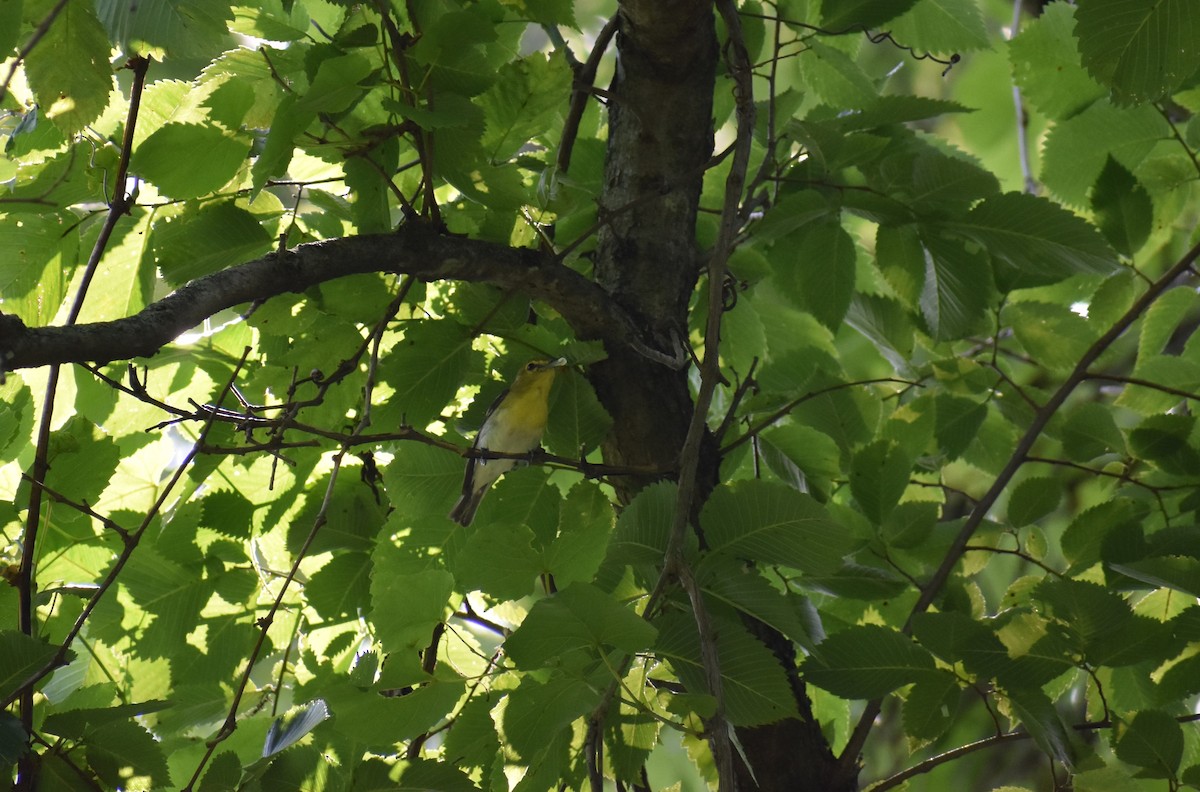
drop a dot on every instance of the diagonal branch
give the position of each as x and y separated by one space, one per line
415 249
1019 456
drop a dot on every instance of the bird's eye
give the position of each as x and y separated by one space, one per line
531 366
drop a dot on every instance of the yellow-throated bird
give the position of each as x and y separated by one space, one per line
513 425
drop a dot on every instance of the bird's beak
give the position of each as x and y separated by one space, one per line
556 363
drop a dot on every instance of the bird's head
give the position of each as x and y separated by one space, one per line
537 373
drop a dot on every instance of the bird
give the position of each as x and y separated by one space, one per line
513 425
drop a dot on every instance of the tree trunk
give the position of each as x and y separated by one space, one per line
660 140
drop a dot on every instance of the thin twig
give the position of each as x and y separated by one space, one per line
131 543
580 91
41 30
1031 185
41 460
794 403
710 375
931 590
264 623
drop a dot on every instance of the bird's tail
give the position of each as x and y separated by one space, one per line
464 511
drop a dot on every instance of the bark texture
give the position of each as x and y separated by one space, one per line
660 139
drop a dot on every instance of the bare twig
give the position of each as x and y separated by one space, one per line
710 376
581 90
774 417
1031 185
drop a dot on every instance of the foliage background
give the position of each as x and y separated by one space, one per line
960 364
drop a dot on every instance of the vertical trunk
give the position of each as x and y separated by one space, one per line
660 139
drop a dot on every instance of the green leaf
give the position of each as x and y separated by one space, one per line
10 25
755 686
1085 536
897 109
1173 572
219 235
887 324
577 421
380 722
20 657
1089 432
421 774
1035 241
472 740
499 560
941 26
269 20
867 662
1094 615
170 28
1163 440
818 272
1154 741
1077 149
14 742
773 524
123 749
1037 714
878 477
813 453
68 69
1033 499
335 86
585 526
523 103
644 526
371 210
956 290
547 12
957 423
900 258
537 712
189 160
1046 65
425 479
1162 321
744 588
1165 371
33 266
353 518
957 638
406 602
1123 208
579 617
288 123
1141 50
77 723
836 78
851 16
793 212
425 369
930 707
341 586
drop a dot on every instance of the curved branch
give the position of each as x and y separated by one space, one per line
415 250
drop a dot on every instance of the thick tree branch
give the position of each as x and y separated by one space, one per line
415 250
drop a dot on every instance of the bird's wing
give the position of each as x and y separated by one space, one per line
469 478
